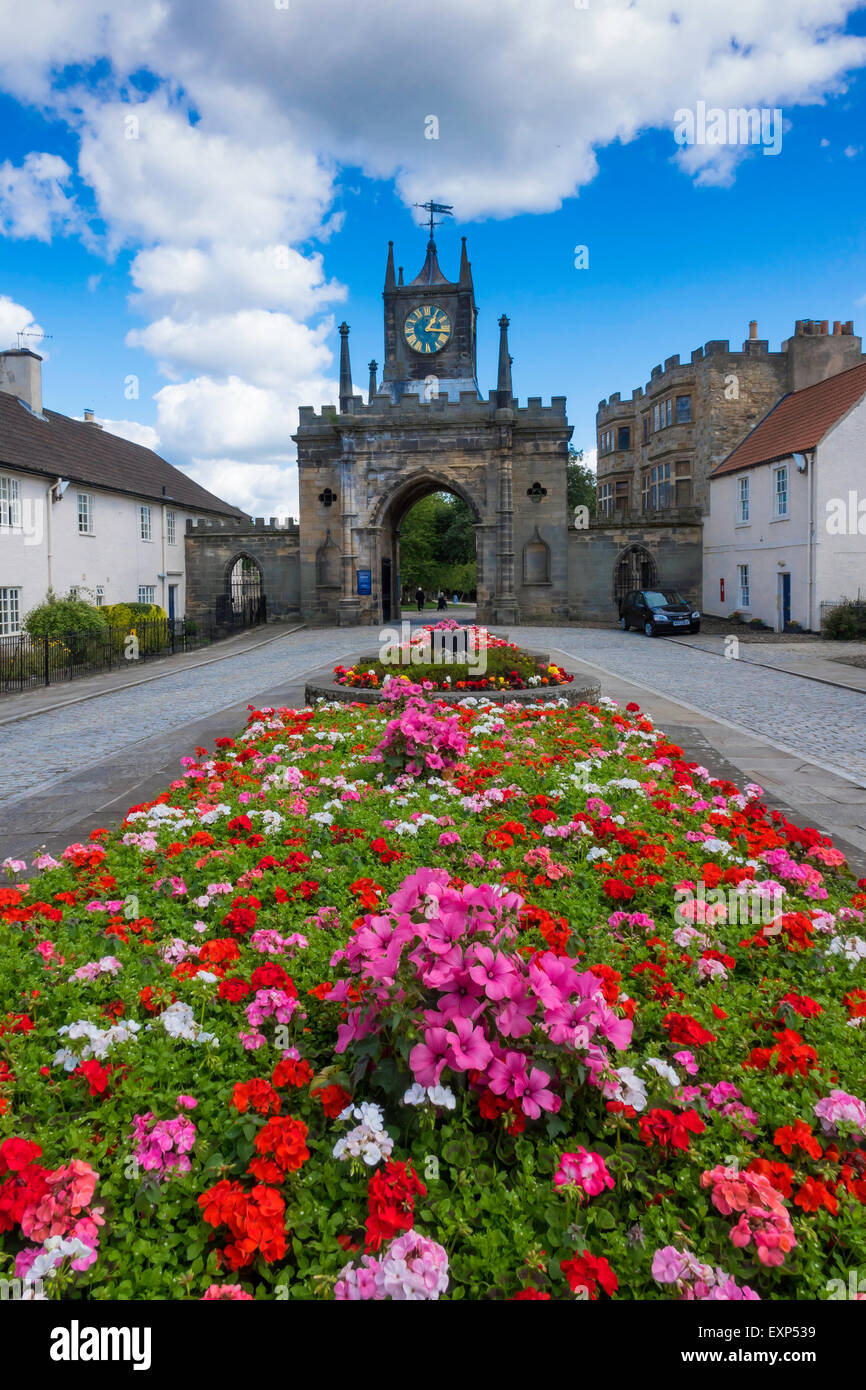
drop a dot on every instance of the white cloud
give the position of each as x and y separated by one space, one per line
133 431
33 202
267 349
260 489
236 145
15 319
158 178
233 276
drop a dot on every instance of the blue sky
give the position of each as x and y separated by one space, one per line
679 252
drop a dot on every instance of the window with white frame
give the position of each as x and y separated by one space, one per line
74 591
171 528
605 498
10 502
147 593
85 514
743 500
780 491
743 595
100 596
10 612
145 525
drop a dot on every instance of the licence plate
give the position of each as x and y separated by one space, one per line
681 622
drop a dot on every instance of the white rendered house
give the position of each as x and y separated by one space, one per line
786 526
83 511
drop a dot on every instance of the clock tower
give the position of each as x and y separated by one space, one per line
425 427
429 330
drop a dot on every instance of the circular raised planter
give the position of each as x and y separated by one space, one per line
541 694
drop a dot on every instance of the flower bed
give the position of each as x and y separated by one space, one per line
426 658
413 1003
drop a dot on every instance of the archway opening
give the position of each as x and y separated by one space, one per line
428 554
244 600
635 569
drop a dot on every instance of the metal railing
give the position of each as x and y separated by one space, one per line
29 662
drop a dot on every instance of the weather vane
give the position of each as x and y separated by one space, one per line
445 208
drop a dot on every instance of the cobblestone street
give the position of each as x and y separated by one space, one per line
77 765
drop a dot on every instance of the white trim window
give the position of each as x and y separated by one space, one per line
85 514
743 500
147 593
10 503
145 525
10 612
743 587
605 499
100 595
171 528
780 491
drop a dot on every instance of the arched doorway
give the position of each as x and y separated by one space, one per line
243 603
430 536
635 569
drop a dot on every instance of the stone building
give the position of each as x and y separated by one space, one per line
426 428
657 450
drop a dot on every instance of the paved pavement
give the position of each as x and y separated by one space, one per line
66 769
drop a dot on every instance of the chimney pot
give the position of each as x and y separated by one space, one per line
753 329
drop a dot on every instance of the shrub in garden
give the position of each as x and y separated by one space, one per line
63 617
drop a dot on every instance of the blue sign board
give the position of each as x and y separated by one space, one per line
365 585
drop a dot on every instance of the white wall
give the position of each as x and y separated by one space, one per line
771 547
840 533
48 550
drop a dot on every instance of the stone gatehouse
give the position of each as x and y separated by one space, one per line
426 428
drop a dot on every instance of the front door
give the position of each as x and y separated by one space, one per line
386 588
172 602
784 602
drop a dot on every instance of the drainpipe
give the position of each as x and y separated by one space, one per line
49 548
163 566
805 463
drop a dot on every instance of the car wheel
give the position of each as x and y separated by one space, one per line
623 625
649 628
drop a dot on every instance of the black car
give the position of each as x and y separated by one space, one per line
658 610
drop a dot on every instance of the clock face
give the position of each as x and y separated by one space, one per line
427 328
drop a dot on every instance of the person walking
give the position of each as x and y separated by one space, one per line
442 603
419 598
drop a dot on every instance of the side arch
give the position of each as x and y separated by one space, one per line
635 568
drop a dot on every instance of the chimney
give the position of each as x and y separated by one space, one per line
21 376
837 327
371 393
89 420
753 329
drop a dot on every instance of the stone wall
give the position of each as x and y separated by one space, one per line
362 470
593 556
213 547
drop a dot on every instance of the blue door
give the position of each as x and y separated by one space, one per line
785 600
172 601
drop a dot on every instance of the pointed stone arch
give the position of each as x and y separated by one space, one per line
328 564
635 568
536 560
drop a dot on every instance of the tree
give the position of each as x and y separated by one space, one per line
580 482
437 545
